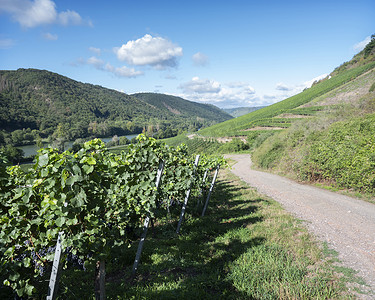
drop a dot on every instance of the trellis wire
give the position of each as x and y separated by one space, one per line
210 191
54 279
146 223
187 196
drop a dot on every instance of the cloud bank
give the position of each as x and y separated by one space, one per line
224 95
38 12
102 66
157 52
200 86
238 94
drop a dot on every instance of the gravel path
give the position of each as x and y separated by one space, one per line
345 223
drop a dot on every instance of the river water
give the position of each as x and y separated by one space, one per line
33 149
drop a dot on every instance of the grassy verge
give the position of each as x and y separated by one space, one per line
246 247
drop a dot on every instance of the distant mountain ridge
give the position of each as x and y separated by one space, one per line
49 104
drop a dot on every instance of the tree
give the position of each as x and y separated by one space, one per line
59 138
370 46
13 154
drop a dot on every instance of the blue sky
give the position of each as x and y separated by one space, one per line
227 53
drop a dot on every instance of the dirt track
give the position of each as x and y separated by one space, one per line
345 223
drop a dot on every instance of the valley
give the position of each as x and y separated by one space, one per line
247 246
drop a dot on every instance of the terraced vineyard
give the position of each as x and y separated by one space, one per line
295 105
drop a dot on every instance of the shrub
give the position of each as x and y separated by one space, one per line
345 155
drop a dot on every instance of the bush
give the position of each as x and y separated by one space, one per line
344 154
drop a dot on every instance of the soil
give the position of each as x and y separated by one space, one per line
345 223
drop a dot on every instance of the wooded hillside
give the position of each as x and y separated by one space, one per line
46 104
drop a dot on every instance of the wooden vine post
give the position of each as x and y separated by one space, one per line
199 202
146 223
100 280
187 196
55 273
211 189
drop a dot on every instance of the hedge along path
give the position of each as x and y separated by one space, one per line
345 223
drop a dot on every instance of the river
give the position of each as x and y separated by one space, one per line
33 149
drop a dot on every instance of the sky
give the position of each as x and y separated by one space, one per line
227 53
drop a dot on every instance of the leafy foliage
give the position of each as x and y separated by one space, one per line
96 198
370 47
344 154
341 153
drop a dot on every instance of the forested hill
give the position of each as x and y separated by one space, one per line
181 107
49 104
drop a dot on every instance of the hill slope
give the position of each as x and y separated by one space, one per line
240 111
282 114
51 104
335 146
266 117
181 107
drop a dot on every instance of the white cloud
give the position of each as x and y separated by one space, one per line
97 51
30 13
243 86
221 94
153 51
200 86
199 59
237 94
361 45
50 36
107 67
69 18
123 71
6 43
96 62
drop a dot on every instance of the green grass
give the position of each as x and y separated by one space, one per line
246 247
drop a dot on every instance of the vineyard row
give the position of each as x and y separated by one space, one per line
97 199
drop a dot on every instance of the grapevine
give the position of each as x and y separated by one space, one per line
94 197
